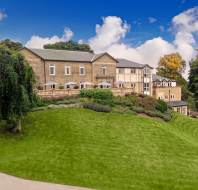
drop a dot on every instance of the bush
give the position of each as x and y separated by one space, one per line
128 100
96 107
138 109
161 106
102 94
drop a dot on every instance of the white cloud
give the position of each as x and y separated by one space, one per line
109 37
152 20
109 33
2 15
38 41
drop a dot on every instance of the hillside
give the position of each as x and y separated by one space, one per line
104 150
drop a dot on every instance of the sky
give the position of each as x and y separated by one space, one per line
138 30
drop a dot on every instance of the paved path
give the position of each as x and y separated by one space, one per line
8 182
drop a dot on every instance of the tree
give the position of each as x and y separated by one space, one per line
172 66
11 45
193 79
70 45
16 87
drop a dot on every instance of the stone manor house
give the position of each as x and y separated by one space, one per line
67 70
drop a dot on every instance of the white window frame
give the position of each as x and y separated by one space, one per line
104 68
146 72
146 86
67 67
82 67
54 69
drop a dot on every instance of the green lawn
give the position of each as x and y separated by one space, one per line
104 150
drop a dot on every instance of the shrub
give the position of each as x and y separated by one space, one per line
138 109
147 102
96 107
161 106
101 94
128 100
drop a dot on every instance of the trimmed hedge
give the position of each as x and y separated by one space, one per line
101 94
97 107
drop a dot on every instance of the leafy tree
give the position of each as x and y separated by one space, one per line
16 87
193 79
70 45
11 45
172 66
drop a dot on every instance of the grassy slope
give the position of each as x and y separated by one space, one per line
104 151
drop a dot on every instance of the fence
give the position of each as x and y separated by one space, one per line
58 93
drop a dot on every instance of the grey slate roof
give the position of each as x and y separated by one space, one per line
177 103
63 55
159 78
124 63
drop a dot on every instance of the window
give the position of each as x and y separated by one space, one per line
133 71
146 72
103 70
146 86
120 85
166 97
82 70
184 110
132 85
67 70
172 96
178 109
52 69
121 71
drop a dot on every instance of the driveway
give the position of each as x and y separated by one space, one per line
8 182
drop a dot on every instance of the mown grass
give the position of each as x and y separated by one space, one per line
104 150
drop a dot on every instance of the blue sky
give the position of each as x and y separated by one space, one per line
47 18
138 30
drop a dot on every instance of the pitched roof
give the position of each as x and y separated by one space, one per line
160 78
63 55
177 103
67 55
124 63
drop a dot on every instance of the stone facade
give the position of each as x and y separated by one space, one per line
181 109
37 65
168 90
167 93
102 69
